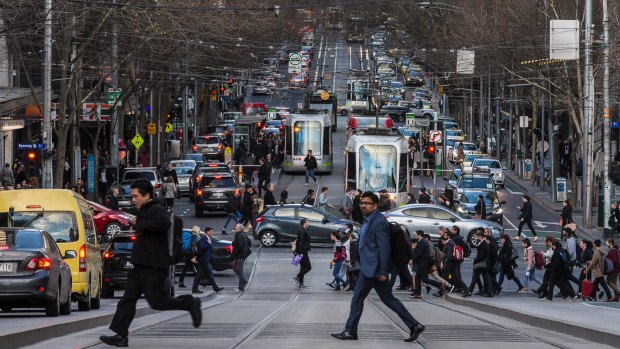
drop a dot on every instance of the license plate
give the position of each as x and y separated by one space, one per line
217 195
6 267
123 202
128 265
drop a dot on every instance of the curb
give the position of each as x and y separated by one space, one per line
36 335
581 330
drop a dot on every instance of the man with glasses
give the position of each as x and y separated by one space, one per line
375 267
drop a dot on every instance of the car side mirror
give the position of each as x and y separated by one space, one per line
503 202
70 254
325 220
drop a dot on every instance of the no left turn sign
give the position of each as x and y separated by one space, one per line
435 136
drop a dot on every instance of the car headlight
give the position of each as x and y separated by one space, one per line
499 174
461 210
498 211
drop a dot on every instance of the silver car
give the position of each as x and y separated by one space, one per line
491 166
183 175
428 217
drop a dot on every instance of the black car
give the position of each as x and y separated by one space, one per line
280 223
466 202
201 170
33 273
395 112
116 263
222 253
213 191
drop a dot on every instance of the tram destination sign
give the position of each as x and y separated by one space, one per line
294 63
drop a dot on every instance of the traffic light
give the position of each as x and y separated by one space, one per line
32 155
429 151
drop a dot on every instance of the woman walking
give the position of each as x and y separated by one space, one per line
508 261
169 192
526 218
566 217
530 268
337 261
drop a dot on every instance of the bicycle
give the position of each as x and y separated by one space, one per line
538 173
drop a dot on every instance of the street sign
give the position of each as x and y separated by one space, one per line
37 146
327 77
115 95
137 141
168 128
151 129
615 124
294 63
435 136
8 125
524 121
227 155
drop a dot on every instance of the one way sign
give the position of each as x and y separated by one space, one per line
435 136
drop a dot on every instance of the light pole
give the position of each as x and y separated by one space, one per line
47 181
606 116
588 106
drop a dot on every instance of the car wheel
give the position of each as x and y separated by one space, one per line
268 238
112 229
6 308
52 308
84 304
95 303
471 238
65 309
401 118
428 116
344 112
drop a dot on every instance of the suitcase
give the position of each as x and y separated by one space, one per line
587 286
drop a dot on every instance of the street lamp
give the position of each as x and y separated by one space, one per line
276 9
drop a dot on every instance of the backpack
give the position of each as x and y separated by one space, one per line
399 246
438 255
608 264
187 242
457 253
175 239
458 241
539 260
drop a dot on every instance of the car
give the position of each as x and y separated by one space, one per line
66 216
213 191
469 159
468 148
454 177
182 163
222 253
429 217
229 117
280 224
198 158
396 112
109 222
456 135
210 147
260 89
200 170
132 174
216 130
344 110
492 166
466 202
449 124
184 174
474 181
33 272
117 263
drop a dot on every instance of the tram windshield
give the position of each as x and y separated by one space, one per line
307 137
377 168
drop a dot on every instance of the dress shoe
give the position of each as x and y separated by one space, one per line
196 313
115 341
479 293
197 291
415 296
465 295
428 289
415 332
337 288
345 335
218 289
498 291
330 284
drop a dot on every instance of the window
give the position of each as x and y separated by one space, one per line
310 215
469 146
285 212
60 225
122 245
134 175
184 170
377 168
441 214
307 137
402 173
27 240
208 140
327 147
419 212
217 182
351 170
89 225
288 141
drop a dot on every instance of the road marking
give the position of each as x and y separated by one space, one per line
316 72
335 61
509 222
350 54
513 192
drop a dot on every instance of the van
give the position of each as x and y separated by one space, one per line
67 217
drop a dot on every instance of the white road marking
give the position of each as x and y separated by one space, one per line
509 222
350 54
513 192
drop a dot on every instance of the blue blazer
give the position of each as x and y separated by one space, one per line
206 252
374 249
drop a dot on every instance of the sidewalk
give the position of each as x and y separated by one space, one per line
593 321
544 199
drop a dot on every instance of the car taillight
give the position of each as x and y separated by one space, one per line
195 148
42 263
260 219
107 255
82 256
197 179
220 147
157 186
228 248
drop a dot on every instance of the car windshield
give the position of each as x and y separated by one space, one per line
472 197
21 240
207 140
454 133
471 157
131 176
469 146
61 225
178 164
184 170
217 182
216 129
476 182
450 143
487 162
195 157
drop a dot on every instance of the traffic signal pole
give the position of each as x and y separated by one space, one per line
47 180
606 116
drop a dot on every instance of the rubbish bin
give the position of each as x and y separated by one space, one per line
175 149
560 189
527 169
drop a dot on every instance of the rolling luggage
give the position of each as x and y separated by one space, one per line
587 285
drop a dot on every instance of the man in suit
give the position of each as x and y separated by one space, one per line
375 267
205 261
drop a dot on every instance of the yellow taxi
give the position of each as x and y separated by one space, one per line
67 217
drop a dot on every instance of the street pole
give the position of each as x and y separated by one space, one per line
509 156
471 114
47 96
588 88
184 117
542 140
606 116
497 131
481 111
115 124
489 106
196 106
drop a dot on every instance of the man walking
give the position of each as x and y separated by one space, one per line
264 175
232 207
302 247
452 261
323 203
239 254
422 257
347 204
269 198
311 165
526 218
375 265
205 261
149 256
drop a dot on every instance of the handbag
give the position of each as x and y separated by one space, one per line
294 245
297 259
482 265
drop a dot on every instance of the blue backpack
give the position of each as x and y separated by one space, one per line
188 239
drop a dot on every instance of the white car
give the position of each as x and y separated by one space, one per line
468 148
456 135
468 161
492 166
344 110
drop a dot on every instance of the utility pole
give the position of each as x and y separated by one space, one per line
47 96
489 106
481 112
497 130
588 107
115 123
606 116
470 135
184 116
542 140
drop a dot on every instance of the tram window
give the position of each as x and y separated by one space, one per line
351 170
416 212
326 139
377 167
311 215
288 141
402 173
307 137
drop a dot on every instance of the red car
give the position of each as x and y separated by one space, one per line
109 222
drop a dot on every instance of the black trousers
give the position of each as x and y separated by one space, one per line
529 225
153 283
421 276
486 278
452 273
188 266
404 274
304 268
262 184
561 282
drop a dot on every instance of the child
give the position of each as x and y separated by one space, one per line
336 262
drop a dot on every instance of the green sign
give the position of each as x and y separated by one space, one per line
115 96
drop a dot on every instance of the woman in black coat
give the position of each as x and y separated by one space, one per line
526 218
508 261
566 217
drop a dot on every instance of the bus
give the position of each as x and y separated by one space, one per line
358 96
303 131
324 100
376 159
355 29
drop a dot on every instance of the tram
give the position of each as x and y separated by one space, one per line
376 159
308 130
244 129
324 100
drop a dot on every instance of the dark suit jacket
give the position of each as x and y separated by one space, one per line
374 248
